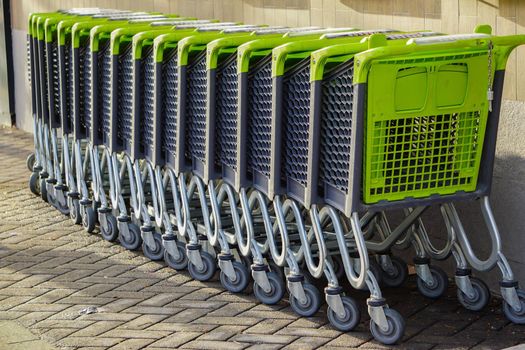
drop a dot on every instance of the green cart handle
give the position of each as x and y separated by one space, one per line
32 18
116 31
245 51
281 52
216 46
146 38
319 57
66 27
50 26
121 34
502 47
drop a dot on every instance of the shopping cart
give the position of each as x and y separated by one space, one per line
86 127
129 125
422 149
63 31
43 97
252 161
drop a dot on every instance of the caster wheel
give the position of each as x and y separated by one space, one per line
134 241
395 331
517 317
177 264
43 190
375 268
438 288
34 183
88 220
157 253
311 304
74 211
479 300
208 268
62 208
397 276
110 232
242 277
350 319
276 292
30 161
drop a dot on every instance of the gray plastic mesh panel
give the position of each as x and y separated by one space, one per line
56 81
196 108
260 116
336 126
148 80
295 121
28 46
104 88
44 81
125 94
226 112
85 87
68 94
169 102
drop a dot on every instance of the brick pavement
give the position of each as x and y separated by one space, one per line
50 270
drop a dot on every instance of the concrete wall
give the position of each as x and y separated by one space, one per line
450 16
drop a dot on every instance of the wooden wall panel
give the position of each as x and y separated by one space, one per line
449 16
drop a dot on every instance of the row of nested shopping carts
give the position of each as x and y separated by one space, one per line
274 155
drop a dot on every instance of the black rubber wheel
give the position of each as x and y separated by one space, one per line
479 300
438 288
178 264
311 304
351 318
395 331
208 268
398 275
157 253
134 241
276 292
517 317
30 161
43 190
34 183
74 211
110 232
62 208
88 220
242 278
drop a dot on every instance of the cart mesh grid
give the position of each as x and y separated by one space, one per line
68 94
196 108
260 116
104 89
84 66
56 82
295 122
169 100
336 126
421 153
226 112
148 81
125 94
43 82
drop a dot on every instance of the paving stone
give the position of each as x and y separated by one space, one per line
214 345
176 340
222 333
264 338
